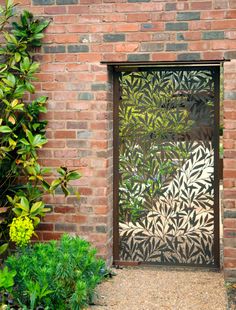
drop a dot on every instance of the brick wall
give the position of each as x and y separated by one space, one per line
230 170
81 35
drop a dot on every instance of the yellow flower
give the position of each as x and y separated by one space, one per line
21 230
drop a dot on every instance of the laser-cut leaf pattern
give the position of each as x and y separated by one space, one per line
166 166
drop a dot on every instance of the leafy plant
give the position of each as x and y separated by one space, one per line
6 279
58 275
6 284
23 182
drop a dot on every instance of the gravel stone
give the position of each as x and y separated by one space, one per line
149 288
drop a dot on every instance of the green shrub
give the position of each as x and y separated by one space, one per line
56 275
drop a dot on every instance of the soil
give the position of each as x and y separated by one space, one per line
149 288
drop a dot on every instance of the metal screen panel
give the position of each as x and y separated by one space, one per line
167 153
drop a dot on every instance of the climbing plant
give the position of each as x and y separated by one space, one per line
23 180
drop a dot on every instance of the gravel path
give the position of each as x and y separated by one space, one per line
149 288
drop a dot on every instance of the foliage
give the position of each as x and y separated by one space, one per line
22 131
59 275
6 284
6 279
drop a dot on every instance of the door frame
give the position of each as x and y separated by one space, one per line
128 67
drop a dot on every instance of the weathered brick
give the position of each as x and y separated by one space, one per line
230 55
230 95
180 36
152 47
213 35
84 134
161 37
114 37
170 6
176 26
77 48
101 229
230 214
176 46
189 56
86 96
43 2
67 2
99 86
139 57
54 49
66 227
133 1
188 16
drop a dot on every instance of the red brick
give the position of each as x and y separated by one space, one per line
213 55
223 24
55 144
199 46
64 134
127 27
230 173
199 25
64 209
53 10
230 223
230 153
126 47
207 5
78 9
55 29
229 194
65 19
171 56
192 36
229 252
230 134
46 236
138 37
231 14
229 262
138 17
89 57
213 15
67 115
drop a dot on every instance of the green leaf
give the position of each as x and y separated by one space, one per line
62 171
7 278
43 24
38 141
30 87
36 207
30 136
3 248
5 129
17 211
55 184
24 204
73 176
34 67
17 57
24 141
45 185
36 220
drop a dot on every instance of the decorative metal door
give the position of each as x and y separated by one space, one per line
166 190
